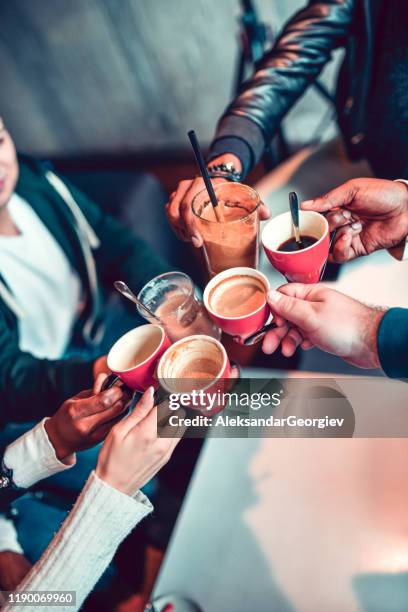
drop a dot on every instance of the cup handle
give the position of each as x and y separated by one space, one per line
232 382
257 336
234 365
109 382
160 395
331 244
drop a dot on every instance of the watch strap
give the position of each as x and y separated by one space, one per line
226 171
9 491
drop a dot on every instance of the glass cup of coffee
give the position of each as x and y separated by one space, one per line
236 300
133 358
172 299
302 264
233 241
195 363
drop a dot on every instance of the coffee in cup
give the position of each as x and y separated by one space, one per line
297 265
237 295
133 358
171 297
292 245
236 300
195 363
232 238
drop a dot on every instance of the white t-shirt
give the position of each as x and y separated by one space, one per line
42 282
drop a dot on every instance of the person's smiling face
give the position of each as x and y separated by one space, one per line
8 166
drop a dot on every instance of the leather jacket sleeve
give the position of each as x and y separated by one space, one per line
298 56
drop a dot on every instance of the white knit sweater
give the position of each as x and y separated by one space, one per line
87 540
84 545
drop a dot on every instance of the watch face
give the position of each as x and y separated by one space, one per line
4 482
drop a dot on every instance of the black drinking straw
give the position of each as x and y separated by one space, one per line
203 169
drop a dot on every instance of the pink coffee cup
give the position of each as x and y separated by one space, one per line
245 324
305 265
196 362
133 358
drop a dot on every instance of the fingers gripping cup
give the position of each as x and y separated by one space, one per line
236 300
133 358
302 265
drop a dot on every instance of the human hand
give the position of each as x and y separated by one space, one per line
132 453
84 420
178 209
370 214
100 366
313 315
13 568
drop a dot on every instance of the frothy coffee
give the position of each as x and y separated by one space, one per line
237 296
135 347
138 354
200 368
190 364
230 237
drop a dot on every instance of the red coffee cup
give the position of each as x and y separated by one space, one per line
245 324
305 265
133 358
195 363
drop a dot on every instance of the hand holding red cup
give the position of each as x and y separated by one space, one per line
236 300
304 265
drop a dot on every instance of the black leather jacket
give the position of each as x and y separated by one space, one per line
297 58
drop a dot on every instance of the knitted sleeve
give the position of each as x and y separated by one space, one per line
84 545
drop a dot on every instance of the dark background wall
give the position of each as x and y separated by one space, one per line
122 76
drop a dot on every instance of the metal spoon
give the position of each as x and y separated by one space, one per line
127 293
294 211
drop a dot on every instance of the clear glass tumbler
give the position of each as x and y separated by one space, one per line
233 239
172 299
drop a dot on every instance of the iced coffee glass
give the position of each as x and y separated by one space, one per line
171 297
232 240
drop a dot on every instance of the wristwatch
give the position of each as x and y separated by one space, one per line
6 477
9 491
226 171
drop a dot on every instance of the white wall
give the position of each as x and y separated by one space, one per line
123 75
